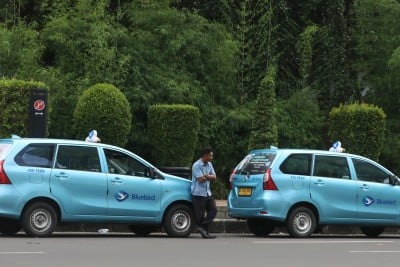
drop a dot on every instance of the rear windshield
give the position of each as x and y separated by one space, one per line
4 148
255 163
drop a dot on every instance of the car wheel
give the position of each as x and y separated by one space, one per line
301 222
179 221
141 230
372 231
39 219
9 226
260 227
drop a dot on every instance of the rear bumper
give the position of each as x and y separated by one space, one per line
268 208
9 202
246 213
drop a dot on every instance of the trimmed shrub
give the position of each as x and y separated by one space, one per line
105 108
14 104
173 131
360 128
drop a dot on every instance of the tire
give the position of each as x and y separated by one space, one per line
9 226
141 230
372 231
179 221
39 219
260 227
301 222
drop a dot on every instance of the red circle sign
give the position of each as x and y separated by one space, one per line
39 105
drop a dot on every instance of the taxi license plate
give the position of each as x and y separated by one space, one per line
245 191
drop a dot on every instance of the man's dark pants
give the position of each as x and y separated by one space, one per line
202 205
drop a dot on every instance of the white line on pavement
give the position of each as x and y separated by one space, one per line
374 251
320 242
21 252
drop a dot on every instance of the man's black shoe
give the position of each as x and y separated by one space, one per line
210 236
204 233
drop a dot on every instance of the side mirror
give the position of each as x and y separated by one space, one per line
153 173
393 180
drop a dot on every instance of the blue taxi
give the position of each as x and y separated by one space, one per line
304 189
47 181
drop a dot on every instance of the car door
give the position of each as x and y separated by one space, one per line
78 182
332 188
377 199
131 190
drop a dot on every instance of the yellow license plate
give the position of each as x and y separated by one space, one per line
245 191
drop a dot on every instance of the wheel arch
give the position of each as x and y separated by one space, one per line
305 204
47 200
177 202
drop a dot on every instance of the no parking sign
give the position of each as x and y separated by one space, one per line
38 113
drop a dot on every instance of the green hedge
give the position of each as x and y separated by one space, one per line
360 128
14 105
105 108
173 131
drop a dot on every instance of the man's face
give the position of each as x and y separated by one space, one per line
209 157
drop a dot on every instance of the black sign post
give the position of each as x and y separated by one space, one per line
38 106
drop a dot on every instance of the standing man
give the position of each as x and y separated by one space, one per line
202 173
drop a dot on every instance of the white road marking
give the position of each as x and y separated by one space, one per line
21 252
374 251
320 242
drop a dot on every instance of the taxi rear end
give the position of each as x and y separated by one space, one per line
254 194
8 193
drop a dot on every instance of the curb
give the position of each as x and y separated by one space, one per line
223 226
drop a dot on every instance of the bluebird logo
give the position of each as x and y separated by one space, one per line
121 196
368 201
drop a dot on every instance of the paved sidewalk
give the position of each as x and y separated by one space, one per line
221 203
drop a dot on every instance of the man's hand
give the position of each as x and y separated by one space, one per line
202 179
210 177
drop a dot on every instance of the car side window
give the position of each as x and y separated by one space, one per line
78 158
331 166
36 155
299 164
366 171
121 163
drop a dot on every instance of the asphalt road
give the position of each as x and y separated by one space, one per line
118 250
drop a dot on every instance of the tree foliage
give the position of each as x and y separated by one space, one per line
264 128
300 120
213 55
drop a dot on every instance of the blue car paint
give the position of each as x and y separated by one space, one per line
335 201
84 196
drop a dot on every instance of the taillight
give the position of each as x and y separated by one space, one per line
231 179
268 183
3 176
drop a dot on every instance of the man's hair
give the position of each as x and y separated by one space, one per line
205 151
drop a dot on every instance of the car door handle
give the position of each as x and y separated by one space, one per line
319 182
364 187
117 180
62 175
